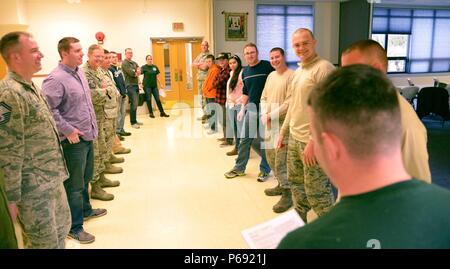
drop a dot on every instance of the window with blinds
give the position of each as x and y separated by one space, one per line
416 40
275 24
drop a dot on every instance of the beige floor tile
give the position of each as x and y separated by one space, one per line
173 193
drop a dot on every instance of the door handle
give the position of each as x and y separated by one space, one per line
181 74
176 75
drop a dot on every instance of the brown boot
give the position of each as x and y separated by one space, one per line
285 202
277 190
115 159
111 169
98 193
233 152
105 183
122 150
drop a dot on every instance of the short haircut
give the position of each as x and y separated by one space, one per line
278 49
112 52
251 45
304 30
210 56
370 48
64 44
10 42
359 104
94 47
127 49
147 56
106 51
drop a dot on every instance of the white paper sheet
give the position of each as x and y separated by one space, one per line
268 235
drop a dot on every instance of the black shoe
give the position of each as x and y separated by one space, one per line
124 133
151 115
98 212
164 115
121 138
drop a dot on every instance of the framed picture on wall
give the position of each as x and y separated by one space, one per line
235 26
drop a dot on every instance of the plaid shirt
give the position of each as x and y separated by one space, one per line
220 83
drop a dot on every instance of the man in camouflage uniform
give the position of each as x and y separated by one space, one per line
99 95
30 150
111 112
275 100
7 234
311 188
202 73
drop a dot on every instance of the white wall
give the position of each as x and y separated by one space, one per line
125 23
326 25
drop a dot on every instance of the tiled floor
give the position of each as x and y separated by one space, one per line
173 193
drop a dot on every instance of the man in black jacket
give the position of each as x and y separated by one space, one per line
120 83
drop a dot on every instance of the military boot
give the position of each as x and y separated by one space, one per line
115 159
98 193
111 169
277 190
285 202
122 150
105 183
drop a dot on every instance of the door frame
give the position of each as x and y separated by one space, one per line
177 94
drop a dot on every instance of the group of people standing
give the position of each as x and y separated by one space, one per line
150 73
271 108
57 141
312 125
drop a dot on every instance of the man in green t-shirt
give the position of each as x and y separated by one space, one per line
357 133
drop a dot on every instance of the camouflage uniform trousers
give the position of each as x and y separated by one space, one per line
200 92
110 127
277 160
311 188
45 219
99 148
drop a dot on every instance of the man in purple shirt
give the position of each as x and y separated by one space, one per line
67 92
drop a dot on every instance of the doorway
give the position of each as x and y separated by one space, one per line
173 57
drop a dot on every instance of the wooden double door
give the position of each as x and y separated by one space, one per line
174 57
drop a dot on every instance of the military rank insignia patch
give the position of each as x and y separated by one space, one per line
5 113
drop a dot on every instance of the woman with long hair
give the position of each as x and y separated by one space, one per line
233 106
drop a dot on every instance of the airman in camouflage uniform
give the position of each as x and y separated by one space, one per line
31 154
99 96
111 112
7 234
275 100
311 188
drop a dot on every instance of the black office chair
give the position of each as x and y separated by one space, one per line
433 100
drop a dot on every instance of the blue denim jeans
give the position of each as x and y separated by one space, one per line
233 126
80 163
212 109
133 94
148 98
121 115
251 137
